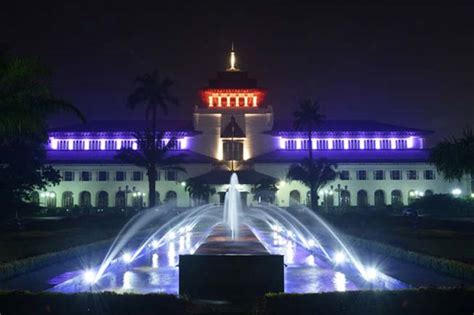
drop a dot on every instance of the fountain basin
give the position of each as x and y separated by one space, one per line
226 268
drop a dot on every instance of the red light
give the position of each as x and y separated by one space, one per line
233 97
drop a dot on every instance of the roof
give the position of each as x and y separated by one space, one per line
346 156
97 157
281 127
222 177
127 126
233 130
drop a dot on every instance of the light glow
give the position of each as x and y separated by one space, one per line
89 276
456 192
339 258
127 258
371 274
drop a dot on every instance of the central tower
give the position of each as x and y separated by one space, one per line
232 117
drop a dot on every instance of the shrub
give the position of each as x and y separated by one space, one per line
444 205
19 303
406 302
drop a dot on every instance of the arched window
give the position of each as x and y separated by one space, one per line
85 199
328 199
35 198
157 198
428 193
295 197
137 201
412 195
68 199
120 199
345 198
51 200
397 199
379 198
102 199
171 197
362 199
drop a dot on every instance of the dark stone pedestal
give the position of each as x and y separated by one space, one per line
230 277
227 269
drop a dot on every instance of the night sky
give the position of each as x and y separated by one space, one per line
407 65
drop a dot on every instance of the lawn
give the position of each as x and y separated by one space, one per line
447 239
40 237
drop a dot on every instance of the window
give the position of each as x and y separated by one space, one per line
362 175
102 176
385 144
322 144
395 175
362 198
401 144
397 200
68 199
233 150
120 176
379 175
137 176
171 175
68 176
338 144
158 175
429 174
344 175
290 144
85 176
412 174
369 144
354 144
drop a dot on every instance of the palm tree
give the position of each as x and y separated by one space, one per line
265 190
199 191
306 119
153 92
26 99
314 174
152 156
455 158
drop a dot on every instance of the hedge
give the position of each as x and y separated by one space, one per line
19 303
403 302
17 267
448 266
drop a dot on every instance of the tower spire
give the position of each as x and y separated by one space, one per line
232 59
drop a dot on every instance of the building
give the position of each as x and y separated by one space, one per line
233 129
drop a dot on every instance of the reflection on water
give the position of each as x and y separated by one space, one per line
340 281
154 260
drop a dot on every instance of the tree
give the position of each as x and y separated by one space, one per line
152 92
199 191
265 190
454 158
26 103
314 174
306 118
152 155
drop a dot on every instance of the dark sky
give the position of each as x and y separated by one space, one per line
411 65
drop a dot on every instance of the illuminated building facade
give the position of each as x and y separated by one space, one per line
233 129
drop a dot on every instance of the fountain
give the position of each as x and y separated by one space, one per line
216 252
232 206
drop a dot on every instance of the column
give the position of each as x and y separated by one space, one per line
254 101
219 101
246 101
237 101
228 101
210 101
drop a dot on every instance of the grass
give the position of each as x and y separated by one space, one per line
42 237
432 237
